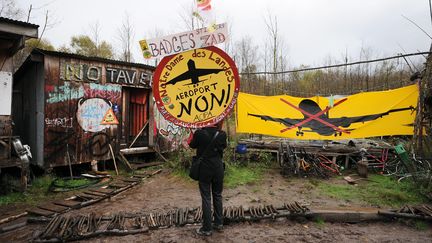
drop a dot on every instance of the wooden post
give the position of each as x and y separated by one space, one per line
113 157
425 84
139 134
227 128
69 161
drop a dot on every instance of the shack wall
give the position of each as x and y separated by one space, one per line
78 94
28 109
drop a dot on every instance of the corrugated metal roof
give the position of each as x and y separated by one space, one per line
98 59
17 22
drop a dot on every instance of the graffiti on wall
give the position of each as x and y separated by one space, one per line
66 122
174 136
171 129
83 105
109 92
90 113
98 144
58 142
74 113
67 91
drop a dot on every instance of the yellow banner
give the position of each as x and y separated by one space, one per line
361 115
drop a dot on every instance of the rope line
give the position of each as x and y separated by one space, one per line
341 65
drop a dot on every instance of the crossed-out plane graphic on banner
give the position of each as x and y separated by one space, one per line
357 116
196 88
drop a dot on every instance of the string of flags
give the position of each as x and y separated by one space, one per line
204 5
205 14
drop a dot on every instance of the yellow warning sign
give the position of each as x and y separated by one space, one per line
109 118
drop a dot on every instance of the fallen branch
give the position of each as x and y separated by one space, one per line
10 218
12 227
404 215
113 232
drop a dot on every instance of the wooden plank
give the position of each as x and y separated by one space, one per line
137 166
40 212
131 180
67 203
88 197
98 194
118 185
17 29
52 207
102 190
123 159
349 214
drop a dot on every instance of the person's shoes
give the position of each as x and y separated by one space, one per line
218 227
202 232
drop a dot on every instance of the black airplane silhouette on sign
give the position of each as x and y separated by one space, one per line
193 74
318 120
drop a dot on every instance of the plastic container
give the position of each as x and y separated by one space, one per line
241 148
400 149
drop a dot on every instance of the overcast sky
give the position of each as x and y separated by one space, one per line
312 30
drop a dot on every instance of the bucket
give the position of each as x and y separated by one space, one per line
241 148
94 165
362 168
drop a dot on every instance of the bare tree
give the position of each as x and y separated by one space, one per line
228 43
9 9
126 37
95 30
247 61
189 17
272 29
278 59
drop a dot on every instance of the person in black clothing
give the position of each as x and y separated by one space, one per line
211 175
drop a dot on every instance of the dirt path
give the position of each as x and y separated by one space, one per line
166 191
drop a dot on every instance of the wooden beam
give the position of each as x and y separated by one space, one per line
31 32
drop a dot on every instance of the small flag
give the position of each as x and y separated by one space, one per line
145 49
205 15
204 5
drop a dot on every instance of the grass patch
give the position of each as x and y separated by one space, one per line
319 222
379 190
35 193
234 175
182 173
122 172
72 183
421 225
239 175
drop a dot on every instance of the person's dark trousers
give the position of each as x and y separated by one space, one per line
208 190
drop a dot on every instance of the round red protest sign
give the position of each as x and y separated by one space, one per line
196 88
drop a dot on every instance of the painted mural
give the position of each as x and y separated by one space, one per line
172 137
91 113
79 97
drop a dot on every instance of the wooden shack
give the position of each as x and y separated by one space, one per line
13 35
71 108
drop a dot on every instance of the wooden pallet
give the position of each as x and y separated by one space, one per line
102 190
89 196
68 203
53 207
40 212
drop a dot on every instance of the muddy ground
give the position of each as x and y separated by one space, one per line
166 191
